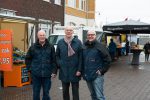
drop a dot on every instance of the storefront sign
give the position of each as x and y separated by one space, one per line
6 50
24 75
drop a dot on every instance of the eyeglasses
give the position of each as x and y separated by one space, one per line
90 34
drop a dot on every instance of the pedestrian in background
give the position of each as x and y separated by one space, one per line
127 47
40 61
96 61
112 49
147 50
69 61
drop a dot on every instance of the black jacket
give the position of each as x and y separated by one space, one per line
95 57
41 59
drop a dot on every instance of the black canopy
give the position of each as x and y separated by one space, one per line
129 26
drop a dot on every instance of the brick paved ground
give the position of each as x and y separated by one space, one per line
122 82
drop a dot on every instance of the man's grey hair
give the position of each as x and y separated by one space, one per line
91 32
41 31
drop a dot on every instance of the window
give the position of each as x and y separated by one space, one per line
58 2
82 5
46 27
47 0
72 3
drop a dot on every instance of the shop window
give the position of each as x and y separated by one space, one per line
46 28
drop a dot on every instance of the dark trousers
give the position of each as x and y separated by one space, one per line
112 54
37 83
75 90
146 56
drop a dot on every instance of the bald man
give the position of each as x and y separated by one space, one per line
40 61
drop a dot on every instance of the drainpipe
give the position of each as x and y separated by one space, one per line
87 9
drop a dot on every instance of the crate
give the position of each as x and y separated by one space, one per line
18 77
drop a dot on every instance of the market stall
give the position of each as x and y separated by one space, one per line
12 66
129 27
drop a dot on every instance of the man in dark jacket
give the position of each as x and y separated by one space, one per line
69 59
147 51
96 60
40 60
112 49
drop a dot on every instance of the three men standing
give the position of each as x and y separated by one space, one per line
73 59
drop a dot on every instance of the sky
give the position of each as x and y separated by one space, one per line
118 10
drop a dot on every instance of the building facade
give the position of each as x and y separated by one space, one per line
26 17
80 12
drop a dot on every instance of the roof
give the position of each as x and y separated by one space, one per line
129 26
17 17
127 22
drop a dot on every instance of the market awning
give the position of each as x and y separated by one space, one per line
129 26
28 19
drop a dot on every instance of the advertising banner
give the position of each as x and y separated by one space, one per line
6 50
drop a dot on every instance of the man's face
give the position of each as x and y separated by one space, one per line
68 32
91 36
41 37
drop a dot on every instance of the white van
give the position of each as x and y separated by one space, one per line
80 32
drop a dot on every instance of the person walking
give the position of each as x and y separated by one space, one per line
96 62
69 61
112 49
127 47
147 50
40 61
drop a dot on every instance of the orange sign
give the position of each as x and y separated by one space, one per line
6 50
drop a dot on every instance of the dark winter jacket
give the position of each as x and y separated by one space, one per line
95 57
112 47
41 59
146 48
68 66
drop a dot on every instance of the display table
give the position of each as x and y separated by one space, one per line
18 77
136 56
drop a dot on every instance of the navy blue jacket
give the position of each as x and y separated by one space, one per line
41 59
68 66
112 47
95 57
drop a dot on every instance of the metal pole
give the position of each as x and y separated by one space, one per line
130 59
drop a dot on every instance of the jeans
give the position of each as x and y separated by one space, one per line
96 88
38 82
75 90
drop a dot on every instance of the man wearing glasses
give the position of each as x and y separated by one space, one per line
96 60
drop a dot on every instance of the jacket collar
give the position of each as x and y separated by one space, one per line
39 45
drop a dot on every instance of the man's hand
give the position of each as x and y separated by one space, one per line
53 75
98 72
78 73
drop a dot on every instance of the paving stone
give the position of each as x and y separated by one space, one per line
122 82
